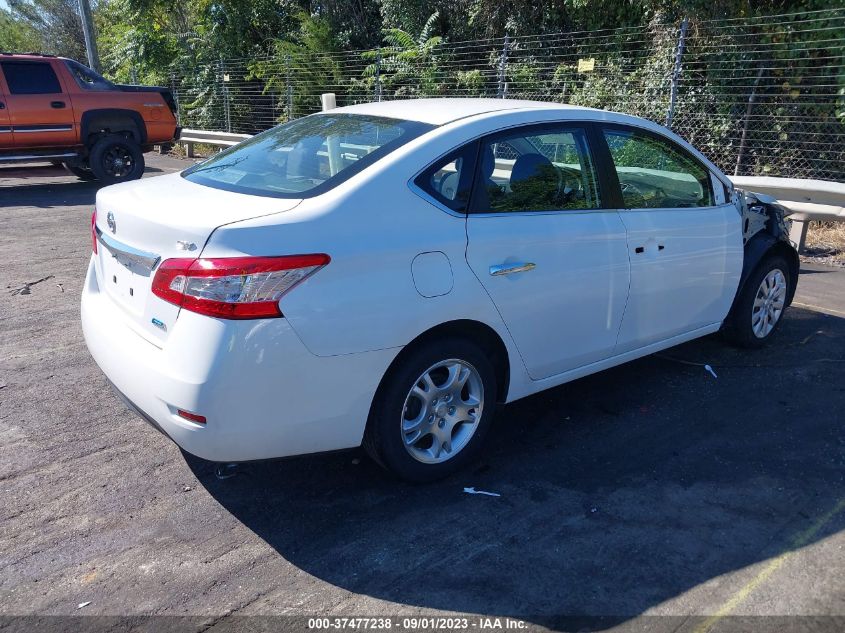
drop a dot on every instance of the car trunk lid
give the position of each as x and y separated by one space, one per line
142 223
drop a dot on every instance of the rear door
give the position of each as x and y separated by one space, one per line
39 107
684 238
6 137
543 244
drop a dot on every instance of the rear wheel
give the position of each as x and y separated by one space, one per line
433 410
116 158
758 310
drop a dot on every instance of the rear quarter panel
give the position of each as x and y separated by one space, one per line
158 119
372 226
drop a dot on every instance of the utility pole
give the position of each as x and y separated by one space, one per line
90 39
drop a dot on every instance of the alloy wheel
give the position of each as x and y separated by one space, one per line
768 303
442 411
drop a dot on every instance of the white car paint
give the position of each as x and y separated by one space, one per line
401 264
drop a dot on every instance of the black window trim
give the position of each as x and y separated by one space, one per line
420 181
604 185
30 62
609 167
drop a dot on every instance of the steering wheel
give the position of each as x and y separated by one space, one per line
569 185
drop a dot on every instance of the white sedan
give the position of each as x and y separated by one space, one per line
386 274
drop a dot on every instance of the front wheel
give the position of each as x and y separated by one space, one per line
758 309
116 158
432 412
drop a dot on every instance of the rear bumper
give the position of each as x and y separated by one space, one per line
264 395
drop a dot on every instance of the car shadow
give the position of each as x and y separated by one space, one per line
619 491
808 271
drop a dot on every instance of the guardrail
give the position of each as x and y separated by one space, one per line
189 138
808 200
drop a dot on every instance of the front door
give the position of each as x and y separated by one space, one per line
684 239
40 111
551 257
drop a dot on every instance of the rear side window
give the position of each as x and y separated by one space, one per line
449 180
87 78
30 78
538 169
657 174
305 157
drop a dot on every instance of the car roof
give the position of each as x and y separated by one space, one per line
441 111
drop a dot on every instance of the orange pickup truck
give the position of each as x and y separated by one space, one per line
56 109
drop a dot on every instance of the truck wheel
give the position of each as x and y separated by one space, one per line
432 411
83 172
115 158
758 309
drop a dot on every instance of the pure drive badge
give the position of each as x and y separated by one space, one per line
110 221
159 324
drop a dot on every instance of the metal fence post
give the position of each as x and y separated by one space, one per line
226 105
750 106
676 72
288 89
377 84
502 90
175 98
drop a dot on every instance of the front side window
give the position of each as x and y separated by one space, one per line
30 78
305 157
657 174
547 169
87 78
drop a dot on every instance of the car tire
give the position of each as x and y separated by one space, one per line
758 309
81 171
115 158
433 410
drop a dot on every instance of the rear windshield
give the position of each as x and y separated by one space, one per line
305 157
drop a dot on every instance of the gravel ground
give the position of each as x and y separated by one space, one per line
649 494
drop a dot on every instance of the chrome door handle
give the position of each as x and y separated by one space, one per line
509 269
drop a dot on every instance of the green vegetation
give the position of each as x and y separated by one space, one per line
245 65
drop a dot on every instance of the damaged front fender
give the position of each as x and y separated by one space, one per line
765 232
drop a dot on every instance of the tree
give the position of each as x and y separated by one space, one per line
56 24
17 36
408 65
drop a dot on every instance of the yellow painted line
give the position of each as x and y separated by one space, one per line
818 308
776 563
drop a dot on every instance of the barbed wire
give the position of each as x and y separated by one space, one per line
759 96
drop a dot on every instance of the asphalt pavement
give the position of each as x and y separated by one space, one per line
654 495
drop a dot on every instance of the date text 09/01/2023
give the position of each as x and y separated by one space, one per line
416 623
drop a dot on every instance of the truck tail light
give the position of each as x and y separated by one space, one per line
94 231
233 287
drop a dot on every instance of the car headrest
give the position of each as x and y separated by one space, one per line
531 167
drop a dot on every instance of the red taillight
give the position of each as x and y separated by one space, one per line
94 231
233 287
193 417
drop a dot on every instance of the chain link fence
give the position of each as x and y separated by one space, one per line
759 96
